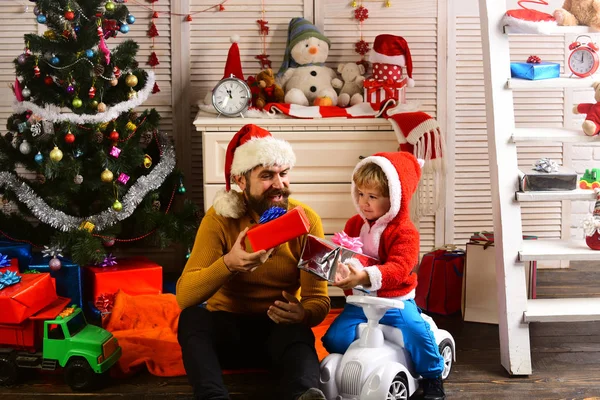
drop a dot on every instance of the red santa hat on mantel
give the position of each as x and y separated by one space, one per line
251 146
525 20
393 50
233 65
420 134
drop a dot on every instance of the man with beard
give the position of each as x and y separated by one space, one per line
259 305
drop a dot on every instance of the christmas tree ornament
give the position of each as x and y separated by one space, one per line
94 104
152 31
98 137
25 148
101 107
92 92
78 180
110 6
106 176
36 71
77 28
117 206
77 153
69 14
66 34
26 92
181 188
132 94
388 3
50 34
48 127
114 82
70 89
89 53
21 59
130 126
361 13
114 136
108 242
48 80
221 7
123 178
55 264
41 19
155 14
56 155
124 28
39 158
117 72
354 4
115 151
188 18
156 205
77 102
69 138
40 178
36 11
153 59
147 161
54 60
131 80
87 225
130 19
155 88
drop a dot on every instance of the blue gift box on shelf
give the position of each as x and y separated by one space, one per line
20 251
534 71
68 277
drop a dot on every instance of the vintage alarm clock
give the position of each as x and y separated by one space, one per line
583 60
231 96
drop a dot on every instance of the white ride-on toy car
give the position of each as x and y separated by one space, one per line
376 366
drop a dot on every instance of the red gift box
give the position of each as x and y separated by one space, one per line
289 226
378 91
21 300
14 266
134 276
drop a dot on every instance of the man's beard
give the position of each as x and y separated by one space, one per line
262 203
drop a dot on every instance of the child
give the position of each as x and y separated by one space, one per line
382 188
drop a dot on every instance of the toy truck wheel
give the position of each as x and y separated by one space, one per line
79 375
9 371
398 389
447 353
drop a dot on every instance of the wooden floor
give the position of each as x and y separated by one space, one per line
566 360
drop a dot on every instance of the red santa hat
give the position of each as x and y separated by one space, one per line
251 146
525 20
233 65
391 49
420 134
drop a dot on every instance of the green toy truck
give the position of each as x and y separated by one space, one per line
57 336
591 179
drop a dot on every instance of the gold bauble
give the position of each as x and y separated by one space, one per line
106 176
117 206
147 161
94 104
50 34
131 80
130 126
132 94
56 155
114 82
101 107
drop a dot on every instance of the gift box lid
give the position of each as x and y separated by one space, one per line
290 225
23 299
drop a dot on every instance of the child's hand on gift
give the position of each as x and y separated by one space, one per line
341 272
291 312
355 278
239 260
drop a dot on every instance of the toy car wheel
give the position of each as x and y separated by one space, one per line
447 353
79 375
9 371
398 389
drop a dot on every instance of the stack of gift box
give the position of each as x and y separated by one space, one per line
386 84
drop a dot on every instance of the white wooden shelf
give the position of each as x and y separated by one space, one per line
558 195
549 249
559 30
563 135
564 81
562 310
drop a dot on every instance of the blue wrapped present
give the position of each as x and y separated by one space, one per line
20 251
534 71
68 277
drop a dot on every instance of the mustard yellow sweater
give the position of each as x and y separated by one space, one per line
206 277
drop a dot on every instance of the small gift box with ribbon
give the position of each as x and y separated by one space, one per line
68 278
20 251
8 264
377 91
321 257
548 175
534 69
24 295
276 226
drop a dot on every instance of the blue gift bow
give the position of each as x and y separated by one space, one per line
8 278
271 214
4 261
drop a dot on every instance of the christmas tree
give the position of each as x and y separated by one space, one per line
91 171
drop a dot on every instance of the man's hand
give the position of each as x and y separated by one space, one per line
291 312
355 277
239 260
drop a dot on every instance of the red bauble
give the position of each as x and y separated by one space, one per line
114 136
593 241
69 138
48 80
69 15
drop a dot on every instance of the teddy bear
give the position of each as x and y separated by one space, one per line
353 78
303 74
268 90
579 12
591 125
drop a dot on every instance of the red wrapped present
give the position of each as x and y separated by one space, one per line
21 300
134 276
289 226
9 264
378 91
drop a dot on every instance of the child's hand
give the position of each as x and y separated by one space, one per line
341 272
355 278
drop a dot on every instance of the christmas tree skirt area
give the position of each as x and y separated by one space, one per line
565 357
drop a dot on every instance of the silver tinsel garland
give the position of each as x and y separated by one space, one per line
131 200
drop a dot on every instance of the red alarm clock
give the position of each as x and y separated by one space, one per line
584 60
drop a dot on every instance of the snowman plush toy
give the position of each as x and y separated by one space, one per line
303 75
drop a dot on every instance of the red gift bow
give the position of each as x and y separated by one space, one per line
105 302
534 60
388 86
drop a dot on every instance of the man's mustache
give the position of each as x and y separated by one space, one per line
285 192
